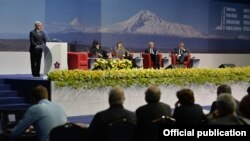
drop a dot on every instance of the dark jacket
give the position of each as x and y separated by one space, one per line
36 39
103 118
188 114
149 112
145 116
155 51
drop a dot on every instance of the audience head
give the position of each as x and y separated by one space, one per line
185 96
96 44
116 96
224 89
151 45
38 93
244 106
153 94
226 105
38 25
248 90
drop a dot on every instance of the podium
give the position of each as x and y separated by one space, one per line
55 57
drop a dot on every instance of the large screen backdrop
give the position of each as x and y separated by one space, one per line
205 26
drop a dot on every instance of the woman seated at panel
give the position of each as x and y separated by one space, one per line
121 52
97 51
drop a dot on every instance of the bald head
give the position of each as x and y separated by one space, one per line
116 96
153 94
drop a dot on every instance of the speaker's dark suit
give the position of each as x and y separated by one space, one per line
36 39
154 57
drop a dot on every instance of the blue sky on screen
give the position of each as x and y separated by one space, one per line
18 16
98 12
180 11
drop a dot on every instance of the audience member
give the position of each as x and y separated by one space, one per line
244 106
114 112
154 54
44 115
97 51
181 53
224 89
248 90
154 109
225 113
121 52
186 111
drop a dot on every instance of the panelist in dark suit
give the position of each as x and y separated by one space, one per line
115 112
37 39
154 54
181 52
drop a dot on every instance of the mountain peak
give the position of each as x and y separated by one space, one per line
147 22
146 15
75 22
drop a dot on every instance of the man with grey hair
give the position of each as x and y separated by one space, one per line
37 39
225 114
114 113
153 54
224 89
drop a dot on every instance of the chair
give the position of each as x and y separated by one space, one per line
164 120
77 60
120 129
68 132
158 123
147 63
186 63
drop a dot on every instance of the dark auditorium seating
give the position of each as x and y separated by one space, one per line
68 132
120 129
78 60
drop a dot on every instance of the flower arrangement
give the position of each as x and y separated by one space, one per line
145 77
112 64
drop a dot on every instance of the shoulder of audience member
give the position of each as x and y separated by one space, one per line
164 104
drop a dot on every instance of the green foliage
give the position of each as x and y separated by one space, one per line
145 77
112 64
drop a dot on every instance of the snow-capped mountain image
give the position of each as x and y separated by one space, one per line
147 22
144 22
77 26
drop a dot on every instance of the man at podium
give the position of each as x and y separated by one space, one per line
37 42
